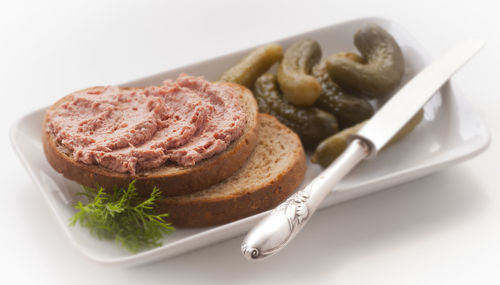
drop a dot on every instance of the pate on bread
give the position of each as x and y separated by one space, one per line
169 176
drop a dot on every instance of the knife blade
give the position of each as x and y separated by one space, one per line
283 223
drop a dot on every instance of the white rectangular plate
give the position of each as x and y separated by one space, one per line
451 132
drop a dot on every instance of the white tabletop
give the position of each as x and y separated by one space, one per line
442 229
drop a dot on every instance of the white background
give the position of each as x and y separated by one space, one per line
442 229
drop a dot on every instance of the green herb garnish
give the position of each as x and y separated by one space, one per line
122 216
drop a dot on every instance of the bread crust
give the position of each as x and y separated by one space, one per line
170 178
188 213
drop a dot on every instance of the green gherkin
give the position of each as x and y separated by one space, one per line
311 124
253 65
332 147
382 71
348 109
295 80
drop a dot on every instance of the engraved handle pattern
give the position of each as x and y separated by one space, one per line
286 219
295 208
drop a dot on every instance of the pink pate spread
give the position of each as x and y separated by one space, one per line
182 121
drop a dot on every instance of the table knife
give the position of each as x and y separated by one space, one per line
283 223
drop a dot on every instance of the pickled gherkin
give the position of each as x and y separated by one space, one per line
311 124
382 69
332 147
298 86
253 65
348 109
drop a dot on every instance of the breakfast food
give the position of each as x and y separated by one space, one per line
198 142
181 137
204 145
271 174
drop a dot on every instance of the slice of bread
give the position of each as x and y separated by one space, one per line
271 174
170 178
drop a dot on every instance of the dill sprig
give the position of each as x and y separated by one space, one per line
122 216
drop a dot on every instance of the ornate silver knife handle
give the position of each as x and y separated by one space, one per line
285 221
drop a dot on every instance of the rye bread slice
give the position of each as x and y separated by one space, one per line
170 178
272 173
